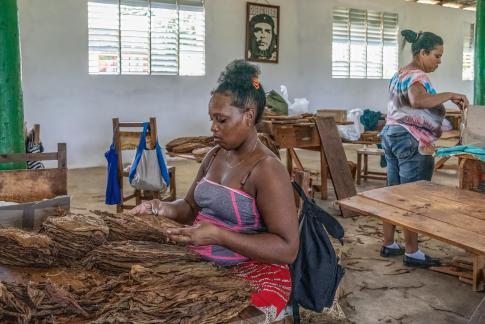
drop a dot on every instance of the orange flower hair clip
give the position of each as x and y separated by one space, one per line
256 83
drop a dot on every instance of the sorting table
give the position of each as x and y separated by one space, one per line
451 215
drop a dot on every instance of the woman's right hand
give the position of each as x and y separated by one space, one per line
154 207
460 100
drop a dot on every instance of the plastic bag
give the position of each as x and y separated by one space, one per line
299 105
352 132
148 170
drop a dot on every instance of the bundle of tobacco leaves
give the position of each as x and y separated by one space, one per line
75 234
124 227
176 292
36 302
119 256
21 248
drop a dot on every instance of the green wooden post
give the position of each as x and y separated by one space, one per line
11 107
479 70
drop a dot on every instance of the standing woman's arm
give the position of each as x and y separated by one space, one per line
420 99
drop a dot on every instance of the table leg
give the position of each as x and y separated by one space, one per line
478 272
323 176
289 162
359 168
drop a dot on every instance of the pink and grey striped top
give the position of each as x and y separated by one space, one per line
228 208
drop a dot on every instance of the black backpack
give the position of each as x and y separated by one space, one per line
316 272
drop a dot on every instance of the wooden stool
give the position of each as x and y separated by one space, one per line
364 172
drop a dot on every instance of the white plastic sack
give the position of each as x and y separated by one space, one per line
300 106
352 132
284 94
148 175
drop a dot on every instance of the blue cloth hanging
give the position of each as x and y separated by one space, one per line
461 149
113 190
139 151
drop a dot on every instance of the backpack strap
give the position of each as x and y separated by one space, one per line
300 190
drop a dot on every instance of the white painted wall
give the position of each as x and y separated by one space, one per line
75 107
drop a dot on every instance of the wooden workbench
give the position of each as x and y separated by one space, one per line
451 215
306 136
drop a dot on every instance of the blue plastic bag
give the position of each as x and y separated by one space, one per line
113 190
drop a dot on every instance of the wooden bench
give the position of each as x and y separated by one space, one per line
363 171
452 215
31 188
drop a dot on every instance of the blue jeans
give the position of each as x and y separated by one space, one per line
404 162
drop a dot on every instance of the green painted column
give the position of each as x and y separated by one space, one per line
11 107
479 70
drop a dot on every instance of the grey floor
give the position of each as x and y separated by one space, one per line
374 289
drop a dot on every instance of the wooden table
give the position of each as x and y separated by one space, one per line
304 136
451 215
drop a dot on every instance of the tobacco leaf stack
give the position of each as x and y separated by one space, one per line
188 144
75 234
36 302
174 293
21 248
123 227
117 257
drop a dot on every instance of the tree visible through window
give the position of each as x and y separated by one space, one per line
364 44
146 37
468 51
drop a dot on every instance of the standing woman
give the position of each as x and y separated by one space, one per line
240 208
415 115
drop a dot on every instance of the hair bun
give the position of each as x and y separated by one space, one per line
240 74
409 35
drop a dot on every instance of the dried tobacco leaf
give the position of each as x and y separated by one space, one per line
75 234
116 257
123 227
21 248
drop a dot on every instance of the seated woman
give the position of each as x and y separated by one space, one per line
240 207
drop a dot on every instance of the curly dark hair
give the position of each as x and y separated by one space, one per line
427 41
240 81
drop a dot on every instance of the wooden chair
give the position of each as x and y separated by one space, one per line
363 170
128 140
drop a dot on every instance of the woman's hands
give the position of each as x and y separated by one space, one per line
155 207
460 100
202 233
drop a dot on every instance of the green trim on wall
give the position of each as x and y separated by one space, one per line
479 83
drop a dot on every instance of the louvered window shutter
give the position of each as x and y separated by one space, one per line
391 44
357 43
104 37
147 37
374 45
341 43
192 37
364 44
135 36
164 37
468 52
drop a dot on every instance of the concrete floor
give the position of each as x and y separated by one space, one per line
374 289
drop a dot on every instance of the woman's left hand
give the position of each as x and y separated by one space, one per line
202 233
